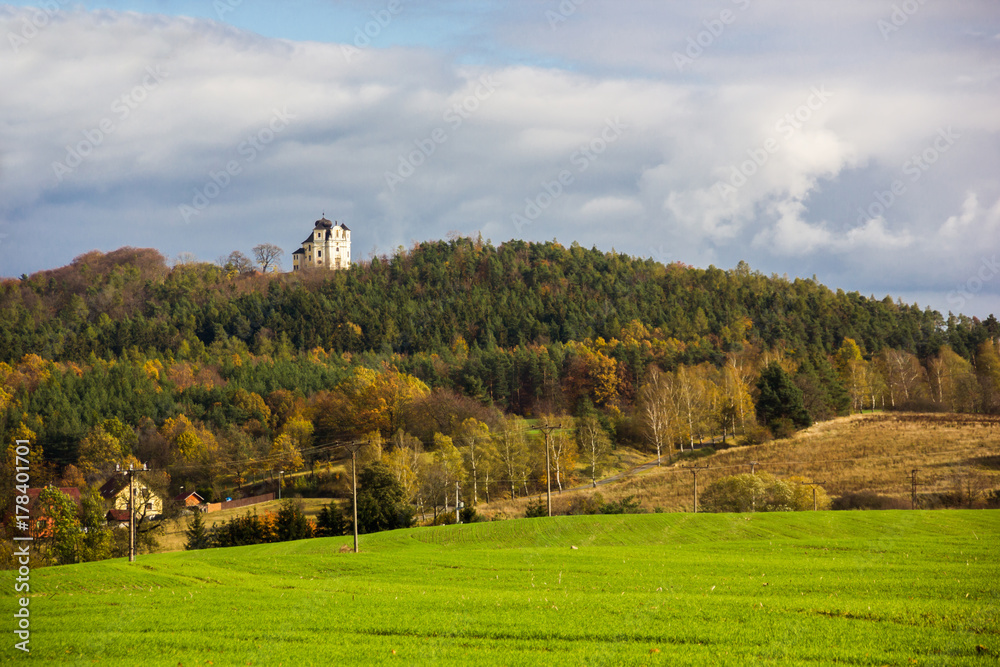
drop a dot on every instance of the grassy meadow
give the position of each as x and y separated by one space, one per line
862 588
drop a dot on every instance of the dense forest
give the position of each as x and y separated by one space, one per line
216 373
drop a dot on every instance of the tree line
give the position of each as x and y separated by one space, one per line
446 359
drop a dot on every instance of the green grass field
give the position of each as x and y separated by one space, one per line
861 588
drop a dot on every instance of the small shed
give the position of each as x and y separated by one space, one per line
189 499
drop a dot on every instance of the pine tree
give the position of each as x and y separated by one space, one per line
198 536
330 521
780 401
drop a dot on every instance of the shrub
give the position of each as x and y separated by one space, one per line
470 515
750 493
444 519
627 505
757 435
993 499
868 500
586 504
535 510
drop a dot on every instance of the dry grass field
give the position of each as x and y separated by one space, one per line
174 538
952 454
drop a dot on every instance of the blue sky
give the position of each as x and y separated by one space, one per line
854 140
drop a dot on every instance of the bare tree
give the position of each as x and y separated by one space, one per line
657 408
268 257
596 445
237 261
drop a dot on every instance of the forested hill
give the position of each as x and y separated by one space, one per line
437 293
428 297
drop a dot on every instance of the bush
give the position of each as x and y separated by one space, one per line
920 405
535 510
751 493
868 500
692 454
783 427
445 519
627 505
756 435
470 515
586 504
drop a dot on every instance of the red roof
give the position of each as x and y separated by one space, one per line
117 515
70 491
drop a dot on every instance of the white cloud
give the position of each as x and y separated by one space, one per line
655 185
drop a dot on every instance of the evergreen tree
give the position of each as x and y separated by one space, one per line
381 501
198 536
330 521
291 523
780 401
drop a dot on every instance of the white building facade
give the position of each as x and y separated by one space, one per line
328 247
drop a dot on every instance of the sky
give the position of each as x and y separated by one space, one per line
857 141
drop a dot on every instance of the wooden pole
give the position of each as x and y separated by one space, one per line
354 482
548 474
353 447
695 492
131 516
694 471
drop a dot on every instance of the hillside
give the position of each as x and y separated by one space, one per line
425 298
805 588
956 457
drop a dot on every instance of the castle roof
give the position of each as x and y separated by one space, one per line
327 227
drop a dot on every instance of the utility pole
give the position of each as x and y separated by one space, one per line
354 447
753 467
458 518
694 471
131 516
281 475
913 489
130 473
814 485
548 474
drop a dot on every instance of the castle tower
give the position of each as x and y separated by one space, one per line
327 247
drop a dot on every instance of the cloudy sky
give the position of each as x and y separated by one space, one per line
854 140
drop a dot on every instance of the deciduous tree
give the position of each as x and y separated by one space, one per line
268 257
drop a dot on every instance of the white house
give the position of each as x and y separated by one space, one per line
328 247
148 504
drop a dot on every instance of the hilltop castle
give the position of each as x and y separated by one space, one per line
328 247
